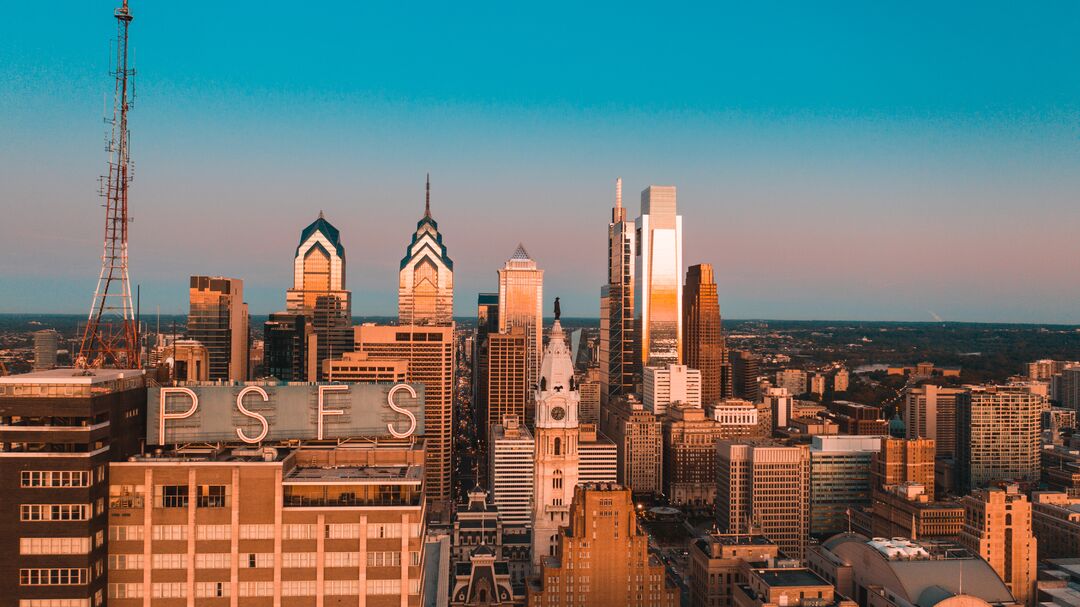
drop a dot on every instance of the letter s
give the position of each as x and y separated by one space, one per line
412 418
252 414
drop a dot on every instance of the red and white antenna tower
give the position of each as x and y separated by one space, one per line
110 338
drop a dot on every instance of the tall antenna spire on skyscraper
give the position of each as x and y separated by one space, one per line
110 337
618 213
427 197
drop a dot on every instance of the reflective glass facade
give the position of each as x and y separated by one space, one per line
658 273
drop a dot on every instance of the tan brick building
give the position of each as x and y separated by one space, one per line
997 527
720 561
905 461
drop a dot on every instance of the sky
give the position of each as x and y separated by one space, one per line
834 160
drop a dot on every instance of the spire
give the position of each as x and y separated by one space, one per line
427 198
321 214
618 192
520 252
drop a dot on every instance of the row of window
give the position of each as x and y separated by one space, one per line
54 512
254 560
54 545
166 590
56 576
55 478
176 496
223 532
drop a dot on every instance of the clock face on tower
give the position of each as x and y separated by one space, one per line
557 413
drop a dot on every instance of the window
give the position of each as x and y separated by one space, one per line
170 561
212 560
384 530
337 531
211 589
213 532
54 512
257 532
256 560
256 589
54 577
212 496
171 496
298 588
414 558
384 586
54 602
384 559
342 559
298 532
558 446
170 532
169 590
299 559
414 586
125 532
556 482
340 587
55 478
126 591
119 562
54 545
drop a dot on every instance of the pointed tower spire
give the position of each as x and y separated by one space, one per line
427 197
618 192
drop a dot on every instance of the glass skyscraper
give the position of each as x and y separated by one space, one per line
658 273
618 365
521 295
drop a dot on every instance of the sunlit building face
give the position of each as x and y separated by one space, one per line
658 271
426 278
521 294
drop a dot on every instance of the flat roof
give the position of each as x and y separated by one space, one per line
742 540
355 475
791 577
73 377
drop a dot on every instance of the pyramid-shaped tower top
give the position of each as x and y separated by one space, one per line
520 253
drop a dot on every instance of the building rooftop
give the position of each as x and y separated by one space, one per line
355 475
788 577
71 377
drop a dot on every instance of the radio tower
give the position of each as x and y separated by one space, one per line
110 338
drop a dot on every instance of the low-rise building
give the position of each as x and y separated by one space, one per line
787 587
720 561
1055 518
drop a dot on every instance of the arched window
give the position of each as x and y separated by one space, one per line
558 446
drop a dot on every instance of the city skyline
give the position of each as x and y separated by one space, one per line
819 186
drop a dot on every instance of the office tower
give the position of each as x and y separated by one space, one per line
786 585
319 292
521 293
903 461
929 411
745 367
997 527
187 360
429 353
781 405
1055 519
590 389
290 343
268 527
639 438
557 451
817 384
840 381
998 436
690 456
426 278
767 486
219 320
857 418
46 343
59 430
704 347
794 380
487 322
619 367
840 479
719 562
598 457
670 384
741 418
898 571
1068 392
511 468
603 555
506 380
357 368
658 269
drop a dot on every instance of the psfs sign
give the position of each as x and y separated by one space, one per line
258 413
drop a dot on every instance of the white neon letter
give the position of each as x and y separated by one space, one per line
325 412
412 418
252 414
163 415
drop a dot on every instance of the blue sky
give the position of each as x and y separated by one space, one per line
834 160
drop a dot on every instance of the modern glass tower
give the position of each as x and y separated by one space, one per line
521 294
426 276
657 281
218 319
319 290
618 365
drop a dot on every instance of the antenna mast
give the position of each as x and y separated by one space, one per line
110 338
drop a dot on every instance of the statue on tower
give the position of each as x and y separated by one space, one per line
558 310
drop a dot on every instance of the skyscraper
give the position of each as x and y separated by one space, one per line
487 322
930 412
998 527
658 270
218 319
704 347
670 384
511 449
426 277
639 437
840 479
506 377
319 290
46 343
289 341
745 367
521 293
998 436
618 364
905 461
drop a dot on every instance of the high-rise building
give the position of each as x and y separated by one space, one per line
719 562
658 270
590 388
704 347
357 368
745 367
817 384
690 456
999 436
997 527
840 381
219 320
930 412
426 277
903 461
781 405
319 291
619 367
639 437
521 297
1068 387
506 383
511 468
268 527
557 454
767 486
598 457
487 322
46 344
60 429
603 555
290 344
1043 370
840 479
429 353
670 384
794 380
